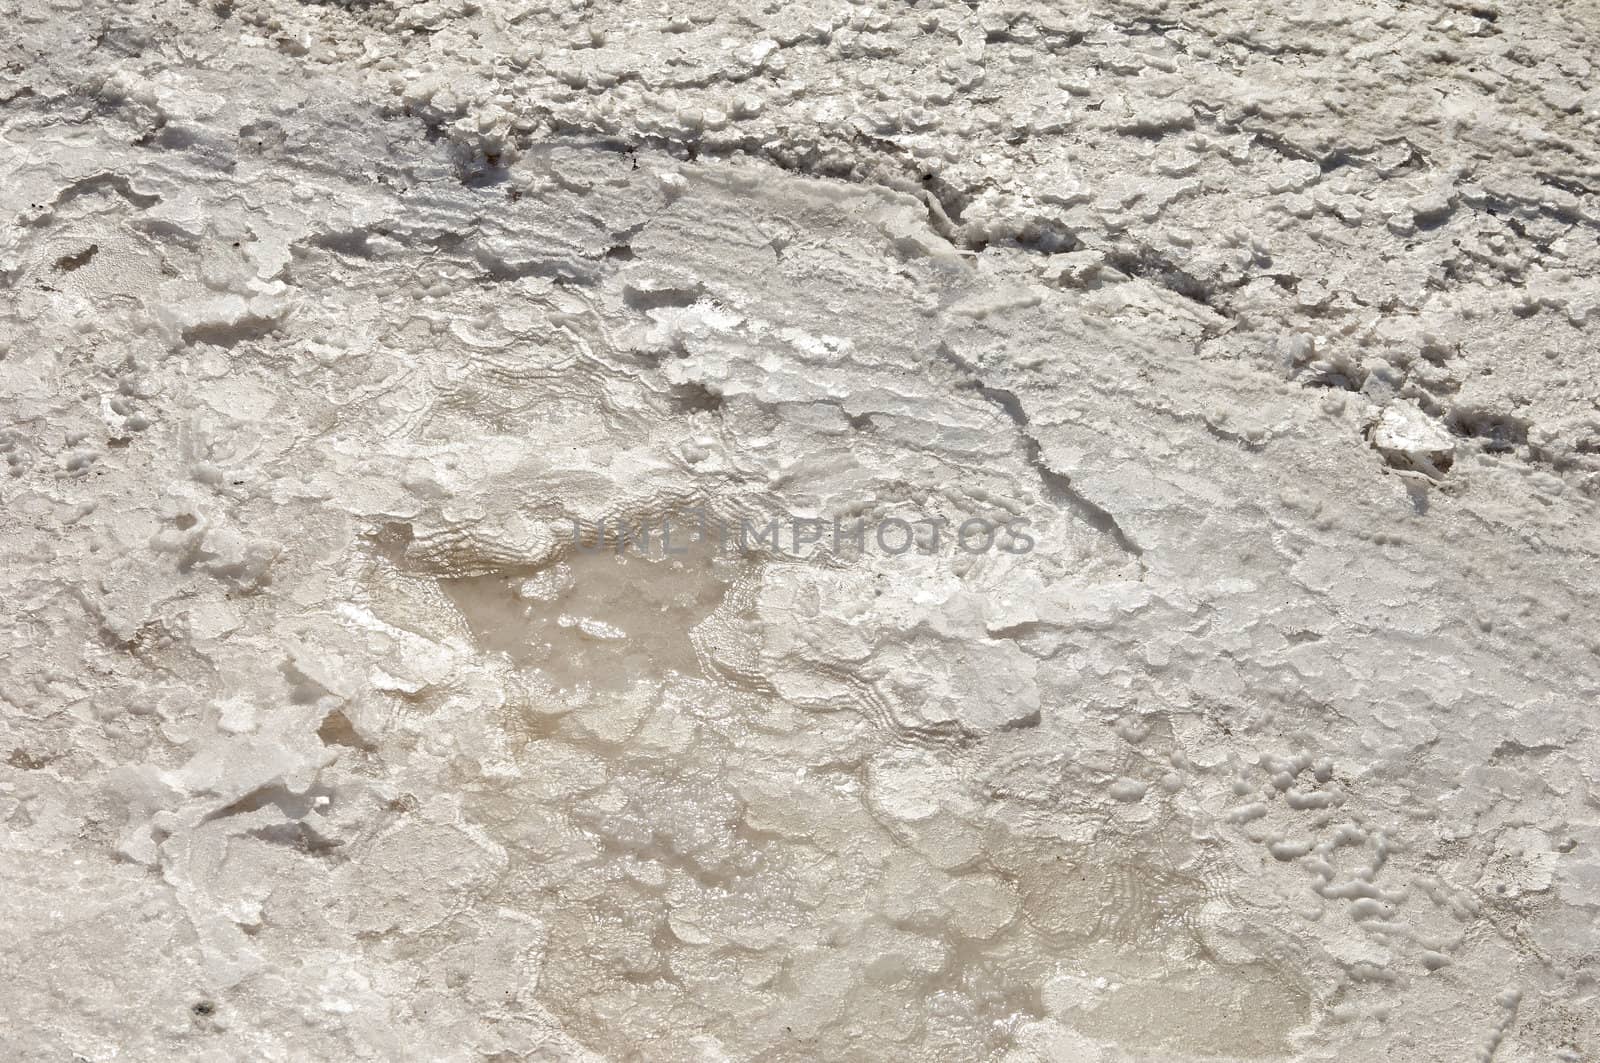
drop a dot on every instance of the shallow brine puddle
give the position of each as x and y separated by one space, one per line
598 618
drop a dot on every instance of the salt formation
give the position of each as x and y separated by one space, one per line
325 323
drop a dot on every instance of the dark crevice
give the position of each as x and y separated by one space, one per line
68 263
1500 432
337 730
1057 485
1338 160
646 299
1149 264
1567 184
230 335
497 270
105 182
273 795
349 243
694 398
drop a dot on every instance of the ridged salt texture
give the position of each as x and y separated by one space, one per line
323 734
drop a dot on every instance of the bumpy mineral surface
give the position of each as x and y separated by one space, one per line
942 531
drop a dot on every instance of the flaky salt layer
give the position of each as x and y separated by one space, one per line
931 532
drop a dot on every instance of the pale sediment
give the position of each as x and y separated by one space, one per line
1262 343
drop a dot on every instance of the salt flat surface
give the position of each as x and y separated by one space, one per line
1231 696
